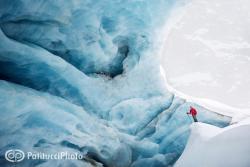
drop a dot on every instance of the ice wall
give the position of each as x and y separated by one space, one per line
84 76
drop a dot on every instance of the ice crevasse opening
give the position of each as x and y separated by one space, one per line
84 77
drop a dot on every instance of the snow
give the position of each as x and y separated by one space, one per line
215 106
206 52
210 146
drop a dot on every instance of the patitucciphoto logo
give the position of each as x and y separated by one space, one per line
17 155
14 155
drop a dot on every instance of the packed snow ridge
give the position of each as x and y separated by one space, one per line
84 76
210 146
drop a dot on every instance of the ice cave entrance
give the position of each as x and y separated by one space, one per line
207 51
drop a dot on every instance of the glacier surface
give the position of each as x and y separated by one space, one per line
84 76
212 146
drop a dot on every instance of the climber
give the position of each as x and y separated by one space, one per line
193 112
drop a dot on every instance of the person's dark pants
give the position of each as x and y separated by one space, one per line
195 119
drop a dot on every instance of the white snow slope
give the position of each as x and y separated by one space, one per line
210 146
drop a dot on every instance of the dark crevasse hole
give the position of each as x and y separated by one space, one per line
117 67
114 68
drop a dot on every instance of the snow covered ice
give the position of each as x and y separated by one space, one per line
212 146
85 77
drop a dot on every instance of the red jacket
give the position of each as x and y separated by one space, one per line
192 111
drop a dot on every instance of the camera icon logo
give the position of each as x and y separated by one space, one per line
14 155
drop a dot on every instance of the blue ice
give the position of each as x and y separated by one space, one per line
84 76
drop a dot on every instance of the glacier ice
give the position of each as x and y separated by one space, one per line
84 76
53 124
34 121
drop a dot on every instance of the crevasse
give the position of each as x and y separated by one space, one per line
84 76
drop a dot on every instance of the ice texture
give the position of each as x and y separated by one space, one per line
35 121
84 76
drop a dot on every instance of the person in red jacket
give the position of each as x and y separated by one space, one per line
193 112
